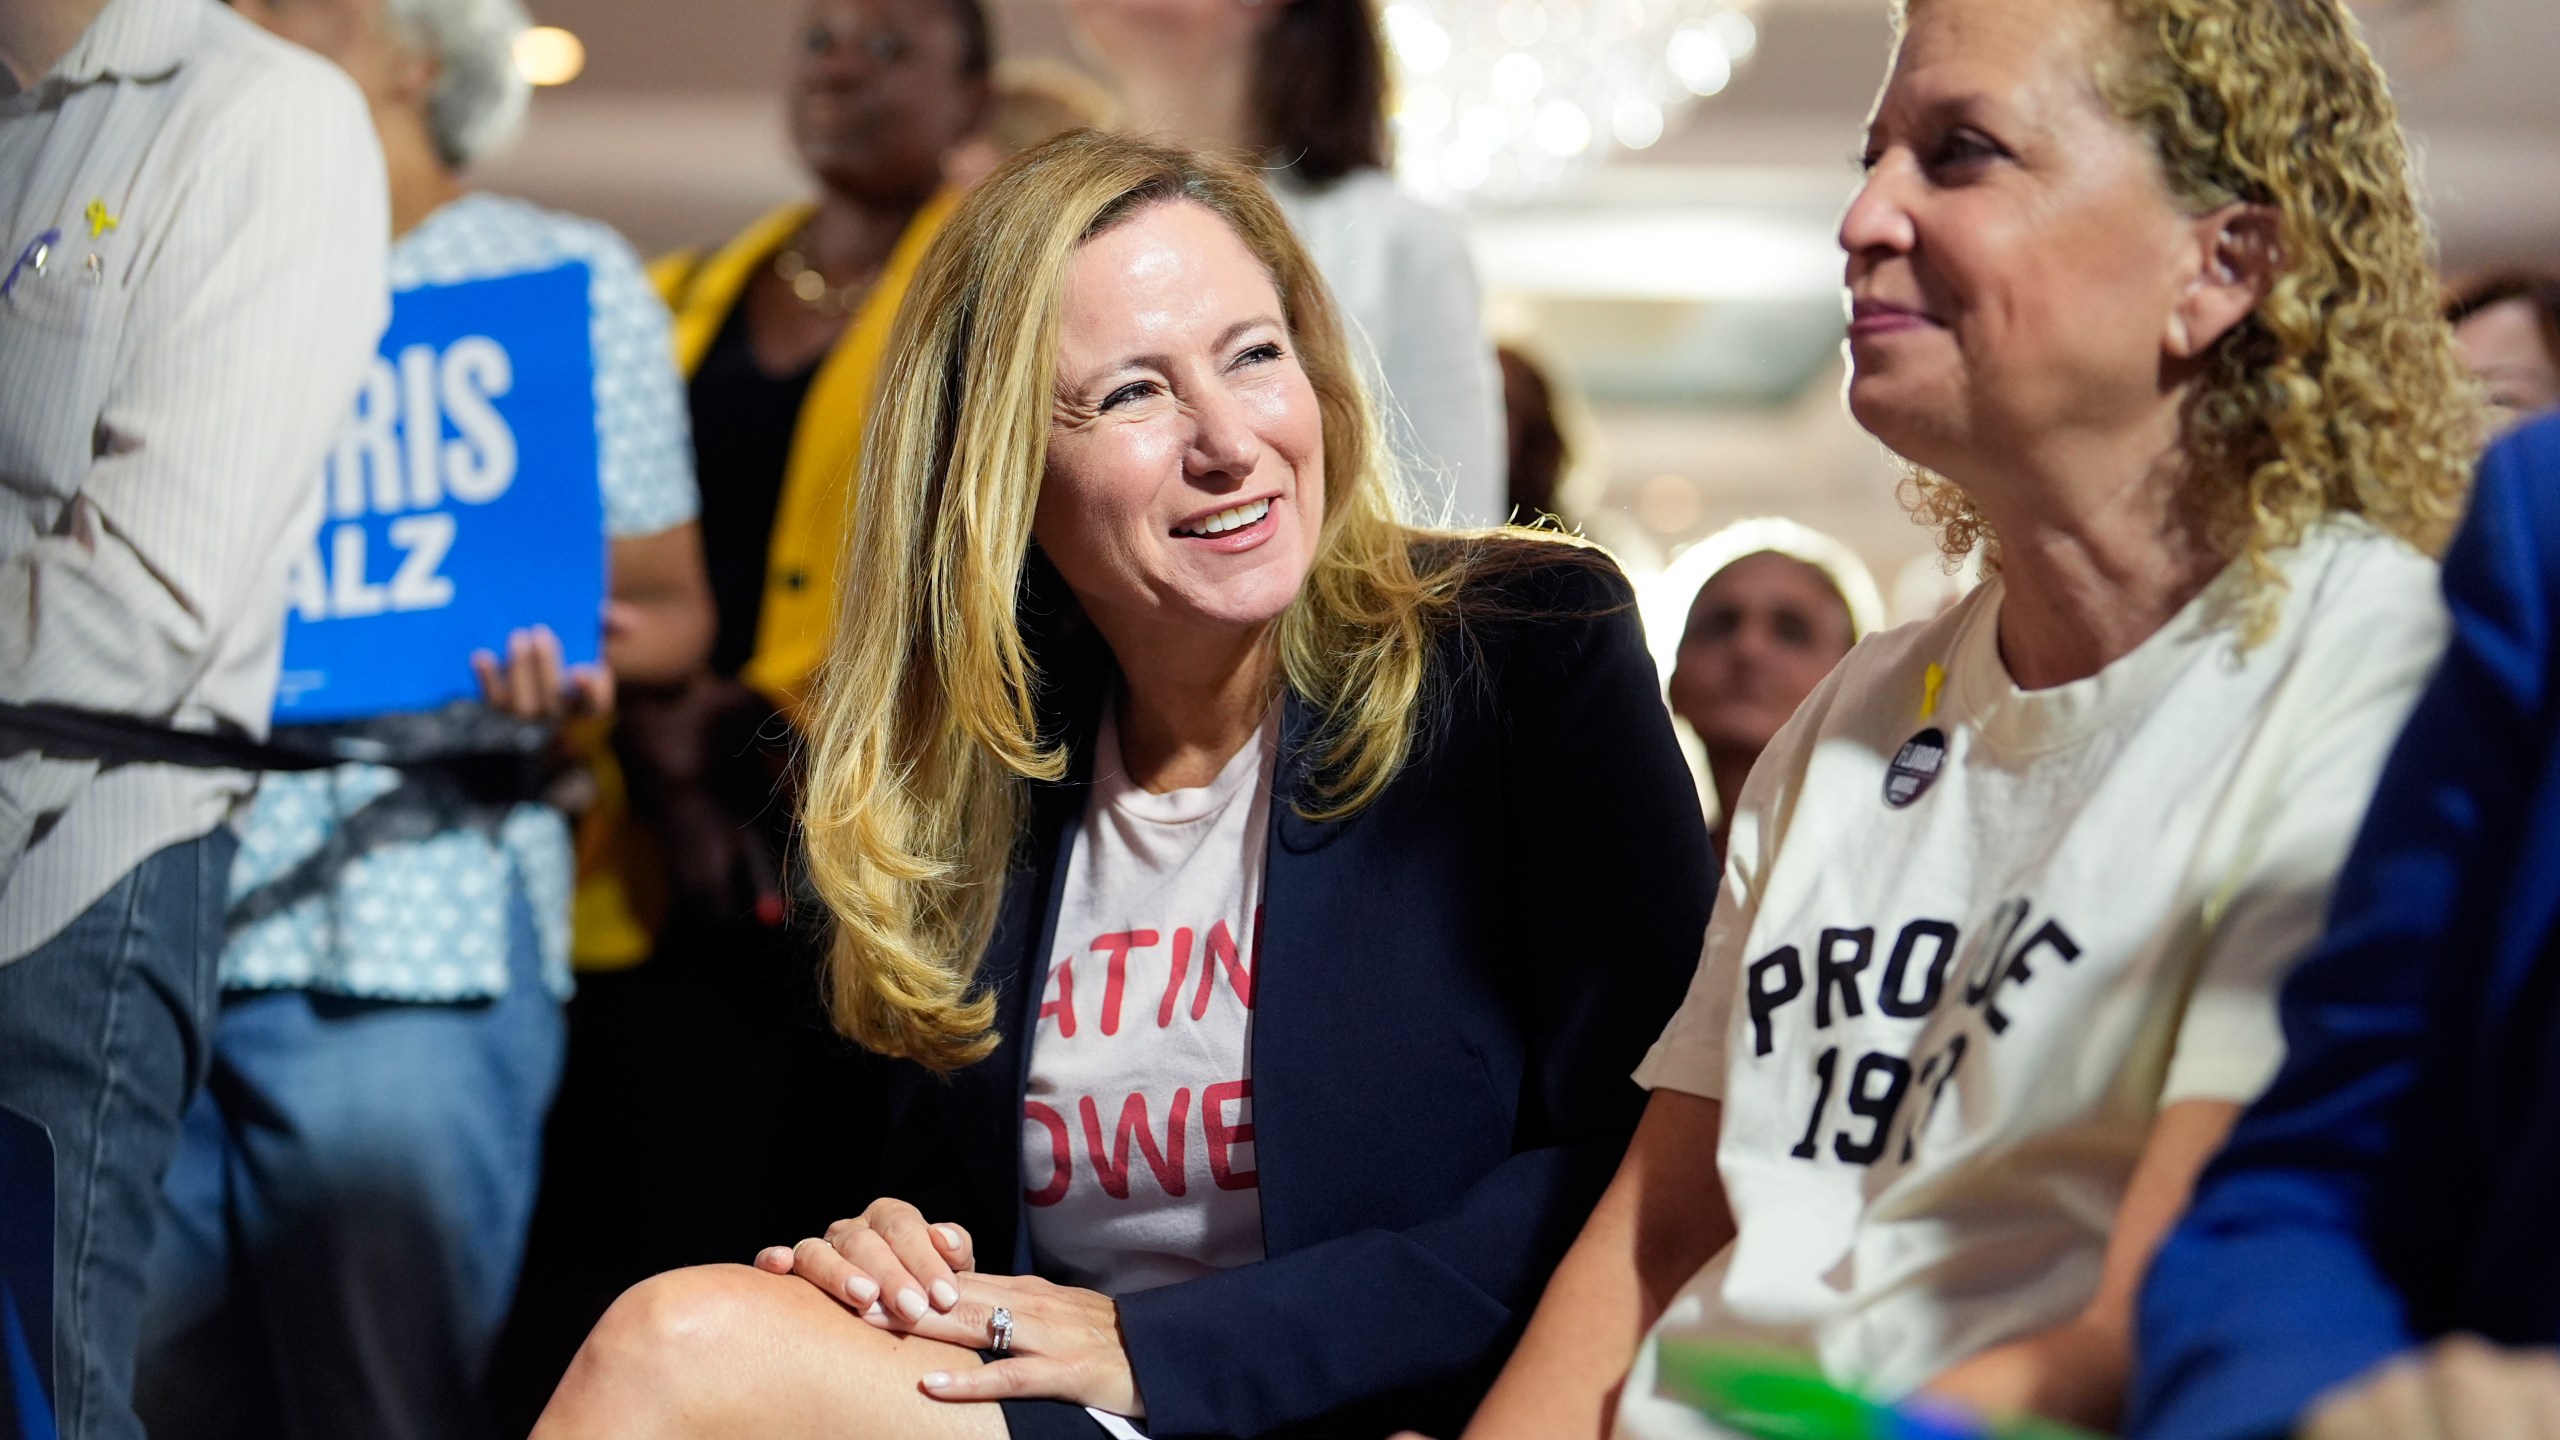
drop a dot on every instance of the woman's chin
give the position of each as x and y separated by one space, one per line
1917 426
1242 606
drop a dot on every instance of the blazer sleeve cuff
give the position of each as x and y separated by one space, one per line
1248 1350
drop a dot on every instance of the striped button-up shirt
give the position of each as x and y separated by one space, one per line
193 225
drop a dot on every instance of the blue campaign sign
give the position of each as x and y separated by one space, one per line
459 503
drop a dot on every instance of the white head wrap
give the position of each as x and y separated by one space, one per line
1663 602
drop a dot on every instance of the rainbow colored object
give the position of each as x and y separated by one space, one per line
1779 1396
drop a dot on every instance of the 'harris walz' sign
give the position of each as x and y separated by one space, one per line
459 503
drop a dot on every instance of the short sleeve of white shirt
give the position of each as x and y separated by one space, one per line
2333 745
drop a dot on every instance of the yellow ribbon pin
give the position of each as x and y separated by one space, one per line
1931 683
100 222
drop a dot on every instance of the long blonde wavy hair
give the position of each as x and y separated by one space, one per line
926 727
2341 393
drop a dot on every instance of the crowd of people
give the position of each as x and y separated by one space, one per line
1082 589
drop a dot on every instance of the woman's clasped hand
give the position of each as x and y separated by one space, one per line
2460 1388
908 1276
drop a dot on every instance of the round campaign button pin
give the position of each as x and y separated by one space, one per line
1915 767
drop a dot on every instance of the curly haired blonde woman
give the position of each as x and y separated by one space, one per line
1267 900
2005 907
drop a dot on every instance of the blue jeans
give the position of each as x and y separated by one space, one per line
102 1034
348 1211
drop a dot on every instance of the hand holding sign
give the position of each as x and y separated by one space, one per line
530 684
461 503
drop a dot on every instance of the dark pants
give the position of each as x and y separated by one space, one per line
102 1041
706 1112
347 1211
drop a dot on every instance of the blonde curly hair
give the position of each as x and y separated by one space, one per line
2341 393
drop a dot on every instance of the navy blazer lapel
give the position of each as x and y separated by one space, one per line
981 1106
1292 784
1294 983
1058 815
1055 813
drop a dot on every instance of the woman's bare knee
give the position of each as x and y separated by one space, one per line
731 1351
658 1353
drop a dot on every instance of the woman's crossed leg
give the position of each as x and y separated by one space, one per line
733 1352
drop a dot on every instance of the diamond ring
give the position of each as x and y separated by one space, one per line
1000 1331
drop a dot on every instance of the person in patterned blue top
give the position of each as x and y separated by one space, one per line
349 1207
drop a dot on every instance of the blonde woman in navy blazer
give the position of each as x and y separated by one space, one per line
1481 896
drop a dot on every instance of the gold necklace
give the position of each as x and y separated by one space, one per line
811 289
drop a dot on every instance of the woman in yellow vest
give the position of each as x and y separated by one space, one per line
695 1032
780 334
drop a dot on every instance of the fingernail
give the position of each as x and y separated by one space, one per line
911 1304
945 1295
936 1379
863 1290
950 1236
875 1314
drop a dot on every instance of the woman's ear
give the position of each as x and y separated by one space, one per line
2238 254
413 74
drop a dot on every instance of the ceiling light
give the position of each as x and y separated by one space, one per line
1522 94
1563 130
1699 59
549 55
1637 124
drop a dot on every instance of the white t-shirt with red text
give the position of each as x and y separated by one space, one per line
1137 1126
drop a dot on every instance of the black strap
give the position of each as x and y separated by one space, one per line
65 733
494 758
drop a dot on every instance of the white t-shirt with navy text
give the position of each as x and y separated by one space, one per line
1137 1126
1965 953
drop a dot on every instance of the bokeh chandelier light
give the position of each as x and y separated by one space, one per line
1500 100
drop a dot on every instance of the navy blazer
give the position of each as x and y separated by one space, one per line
1455 984
2401 1180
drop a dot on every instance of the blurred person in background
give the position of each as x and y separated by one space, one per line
1302 86
2372 1256
1779 607
351 1196
2006 905
1286 759
1028 101
697 1029
2507 327
780 333
1534 442
192 223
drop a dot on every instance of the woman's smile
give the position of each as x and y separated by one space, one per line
1233 530
1871 319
